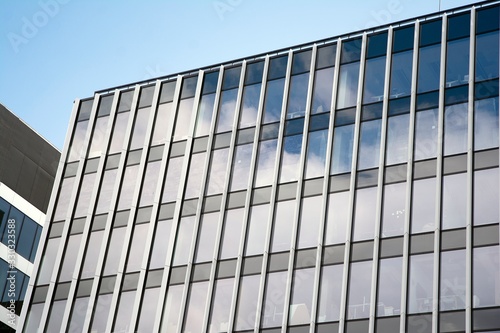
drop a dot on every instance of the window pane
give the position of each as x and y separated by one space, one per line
124 311
140 127
204 118
274 100
219 319
79 314
487 56
241 167
397 139
420 283
297 97
426 129
274 300
48 261
423 205
69 261
455 129
247 303
196 307
401 74
98 137
486 196
63 199
290 159
33 318
316 154
369 144
149 183
322 91
257 226
218 172
84 197
250 105
486 124
282 232
171 186
374 80
76 150
337 218
358 301
128 186
184 111
343 138
148 310
195 176
231 233
457 62
301 297
92 254
264 172
428 68
348 85
394 210
365 214
454 209
486 276
105 194
160 245
389 287
183 240
330 294
161 123
452 280
136 251
119 132
172 308
26 238
206 237
56 316
114 251
101 311
310 221
226 110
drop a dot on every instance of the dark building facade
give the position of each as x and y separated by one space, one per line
28 166
346 185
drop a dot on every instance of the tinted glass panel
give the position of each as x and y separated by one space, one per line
428 68
420 283
487 56
273 101
426 130
247 302
486 124
455 129
394 209
457 62
264 172
454 201
365 214
316 154
290 158
486 276
249 105
343 138
330 294
423 205
337 218
219 319
389 287
348 85
227 108
204 118
374 80
452 280
274 300
282 232
369 144
401 74
403 39
359 296
301 297
322 91
397 139
256 235
486 196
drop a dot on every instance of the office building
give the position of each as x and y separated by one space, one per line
28 166
346 185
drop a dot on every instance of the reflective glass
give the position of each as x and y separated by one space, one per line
343 139
149 184
369 144
140 128
231 78
249 105
297 97
160 244
56 316
454 201
401 74
310 222
301 62
128 186
172 308
231 233
397 139
146 96
423 205
194 176
457 62
77 146
124 311
376 45
247 303
114 251
204 117
337 218
206 237
301 297
458 26
92 254
330 293
486 196
125 100
217 173
426 130
452 281
273 101
421 271
101 310
119 132
403 39
241 167
223 295
148 310
325 56
227 108
172 179
98 137
79 314
389 287
210 82
161 123
394 209
48 261
358 300
348 85
183 115
274 300
188 86
26 237
257 226
374 80
282 232
69 260
487 56
486 123
365 214
351 50
264 172
183 240
322 91
195 309
455 129
34 315
290 159
84 196
253 73
316 154
486 276
428 68
136 250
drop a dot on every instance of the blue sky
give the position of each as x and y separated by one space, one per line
54 51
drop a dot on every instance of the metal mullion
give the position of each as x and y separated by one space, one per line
112 210
225 191
152 223
158 203
48 217
248 198
380 185
409 185
439 184
67 224
190 140
470 175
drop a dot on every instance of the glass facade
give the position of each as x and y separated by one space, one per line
347 186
